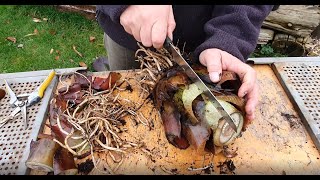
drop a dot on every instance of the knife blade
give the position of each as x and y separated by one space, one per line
199 83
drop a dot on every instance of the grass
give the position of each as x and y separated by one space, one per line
60 32
266 50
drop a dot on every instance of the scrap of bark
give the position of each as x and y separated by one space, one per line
2 93
75 50
61 103
166 87
84 83
41 155
197 135
58 132
63 163
229 82
52 31
202 72
92 39
12 39
171 121
75 87
177 81
73 94
82 64
181 143
100 83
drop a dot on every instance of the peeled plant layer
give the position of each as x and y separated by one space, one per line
41 155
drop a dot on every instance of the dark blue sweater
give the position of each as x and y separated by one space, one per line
232 28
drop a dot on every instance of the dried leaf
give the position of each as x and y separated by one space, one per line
12 39
83 81
51 51
75 50
52 32
42 135
35 31
57 58
2 93
82 64
197 135
71 60
58 52
100 83
92 39
61 103
74 98
63 163
20 46
36 20
72 93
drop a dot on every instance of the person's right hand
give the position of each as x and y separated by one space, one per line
149 24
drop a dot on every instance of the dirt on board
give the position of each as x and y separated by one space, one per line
275 143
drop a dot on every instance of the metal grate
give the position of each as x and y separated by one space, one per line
14 138
301 80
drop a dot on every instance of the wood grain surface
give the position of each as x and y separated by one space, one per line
275 143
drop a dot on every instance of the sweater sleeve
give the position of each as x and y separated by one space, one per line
113 11
234 29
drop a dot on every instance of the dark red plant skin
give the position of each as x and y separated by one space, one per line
197 135
55 130
228 84
82 81
63 160
75 87
167 86
171 121
101 84
73 94
181 143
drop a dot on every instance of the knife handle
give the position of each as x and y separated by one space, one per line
167 43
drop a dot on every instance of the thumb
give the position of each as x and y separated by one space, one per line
211 58
171 24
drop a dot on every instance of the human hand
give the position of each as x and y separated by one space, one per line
217 60
149 24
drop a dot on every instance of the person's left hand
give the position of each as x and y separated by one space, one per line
217 60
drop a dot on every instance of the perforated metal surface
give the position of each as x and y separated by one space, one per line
14 138
301 80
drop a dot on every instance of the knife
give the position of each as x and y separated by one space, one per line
199 83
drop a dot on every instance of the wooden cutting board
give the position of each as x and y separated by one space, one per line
275 143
